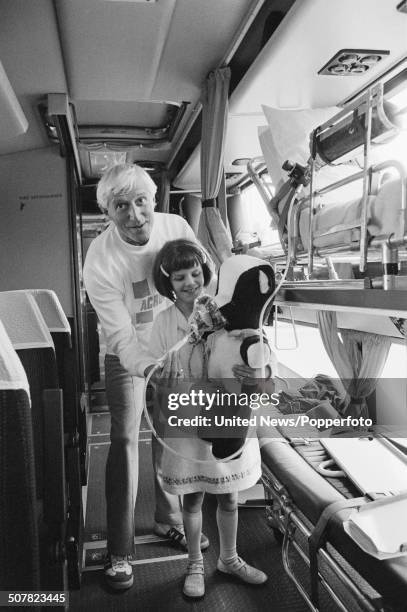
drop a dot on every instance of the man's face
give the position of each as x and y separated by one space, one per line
133 214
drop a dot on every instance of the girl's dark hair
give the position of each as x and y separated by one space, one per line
179 255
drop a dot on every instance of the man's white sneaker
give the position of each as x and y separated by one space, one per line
176 534
243 571
118 572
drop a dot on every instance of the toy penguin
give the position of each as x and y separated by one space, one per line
244 285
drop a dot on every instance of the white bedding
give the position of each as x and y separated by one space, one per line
383 215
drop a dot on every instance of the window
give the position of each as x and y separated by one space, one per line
309 358
257 221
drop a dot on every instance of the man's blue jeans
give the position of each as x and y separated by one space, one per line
125 399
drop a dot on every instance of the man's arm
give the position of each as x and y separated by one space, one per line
108 302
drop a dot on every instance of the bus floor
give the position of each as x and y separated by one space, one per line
159 567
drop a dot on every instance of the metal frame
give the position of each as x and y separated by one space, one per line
384 247
362 245
284 516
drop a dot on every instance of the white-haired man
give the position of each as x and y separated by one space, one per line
118 280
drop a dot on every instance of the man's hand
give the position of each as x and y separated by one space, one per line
156 375
172 367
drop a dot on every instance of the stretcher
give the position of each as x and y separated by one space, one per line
313 217
308 513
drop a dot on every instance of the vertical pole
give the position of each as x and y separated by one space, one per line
366 178
311 219
390 266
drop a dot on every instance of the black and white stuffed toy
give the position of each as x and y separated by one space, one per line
244 285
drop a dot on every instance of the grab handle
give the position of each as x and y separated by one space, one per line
284 348
321 469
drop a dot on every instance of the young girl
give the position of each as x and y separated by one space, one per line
181 270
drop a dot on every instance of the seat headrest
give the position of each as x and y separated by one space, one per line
12 373
23 321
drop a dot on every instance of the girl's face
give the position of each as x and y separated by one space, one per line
187 284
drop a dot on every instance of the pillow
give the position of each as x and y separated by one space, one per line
288 137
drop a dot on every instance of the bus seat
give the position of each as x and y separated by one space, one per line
19 543
32 341
74 422
60 330
51 310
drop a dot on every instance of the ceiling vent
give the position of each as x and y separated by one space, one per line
351 62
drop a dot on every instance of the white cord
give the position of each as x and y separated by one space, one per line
154 432
184 340
277 289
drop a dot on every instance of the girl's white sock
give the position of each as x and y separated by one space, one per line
193 530
227 527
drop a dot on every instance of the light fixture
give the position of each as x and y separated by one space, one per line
351 62
102 160
13 122
241 161
348 58
338 69
402 7
359 68
370 59
61 115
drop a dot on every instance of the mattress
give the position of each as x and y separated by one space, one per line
384 217
312 493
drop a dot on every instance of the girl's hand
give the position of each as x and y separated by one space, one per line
172 367
249 376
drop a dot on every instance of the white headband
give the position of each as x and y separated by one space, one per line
166 273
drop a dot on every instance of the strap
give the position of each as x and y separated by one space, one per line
285 193
247 343
175 535
317 538
209 203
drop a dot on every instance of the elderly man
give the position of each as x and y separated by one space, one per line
118 279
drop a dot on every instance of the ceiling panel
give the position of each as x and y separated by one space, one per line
144 51
112 49
29 40
118 55
108 112
285 75
198 40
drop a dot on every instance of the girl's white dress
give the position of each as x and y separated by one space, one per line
180 475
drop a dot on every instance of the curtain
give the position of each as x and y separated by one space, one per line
236 215
358 358
191 210
164 203
212 231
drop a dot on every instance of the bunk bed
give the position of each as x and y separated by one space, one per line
308 511
370 226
